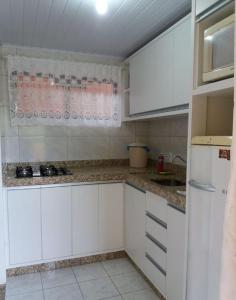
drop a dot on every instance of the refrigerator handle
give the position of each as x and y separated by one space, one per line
202 186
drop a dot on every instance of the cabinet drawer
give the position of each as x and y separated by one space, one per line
157 252
155 275
157 206
156 230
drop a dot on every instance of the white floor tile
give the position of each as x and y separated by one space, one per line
31 296
23 284
57 278
89 272
141 295
118 266
65 292
98 289
129 282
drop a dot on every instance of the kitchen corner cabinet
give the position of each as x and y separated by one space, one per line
135 204
56 222
176 254
24 225
161 72
110 217
84 219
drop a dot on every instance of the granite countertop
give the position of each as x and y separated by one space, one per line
140 178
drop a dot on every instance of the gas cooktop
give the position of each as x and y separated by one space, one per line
41 171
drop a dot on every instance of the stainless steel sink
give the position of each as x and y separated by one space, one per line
169 182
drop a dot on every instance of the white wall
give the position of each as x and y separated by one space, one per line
40 143
2 231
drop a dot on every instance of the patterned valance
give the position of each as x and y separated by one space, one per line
50 92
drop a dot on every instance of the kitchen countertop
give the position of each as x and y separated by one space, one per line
140 178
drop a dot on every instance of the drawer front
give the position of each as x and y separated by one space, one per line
157 206
156 230
155 251
155 275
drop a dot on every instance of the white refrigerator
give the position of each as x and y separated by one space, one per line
209 177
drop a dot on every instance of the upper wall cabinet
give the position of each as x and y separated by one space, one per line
182 63
202 5
160 73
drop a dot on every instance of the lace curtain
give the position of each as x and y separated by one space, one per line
50 92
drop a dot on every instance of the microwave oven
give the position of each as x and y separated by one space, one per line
218 52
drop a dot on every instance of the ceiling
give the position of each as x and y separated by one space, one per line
74 25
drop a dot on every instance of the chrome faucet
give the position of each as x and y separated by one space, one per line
180 158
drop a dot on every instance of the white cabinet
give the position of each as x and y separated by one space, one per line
111 217
135 203
202 5
24 225
161 72
156 241
56 222
182 63
176 255
84 219
150 71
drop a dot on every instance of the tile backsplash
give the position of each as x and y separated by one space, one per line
168 135
39 143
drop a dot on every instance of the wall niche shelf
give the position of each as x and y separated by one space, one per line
225 86
156 115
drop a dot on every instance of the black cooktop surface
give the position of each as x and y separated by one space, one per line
41 171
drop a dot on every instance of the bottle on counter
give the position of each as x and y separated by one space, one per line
160 163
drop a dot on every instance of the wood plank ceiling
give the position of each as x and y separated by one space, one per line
74 25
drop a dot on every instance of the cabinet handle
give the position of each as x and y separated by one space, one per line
202 186
176 208
157 243
135 187
155 219
163 272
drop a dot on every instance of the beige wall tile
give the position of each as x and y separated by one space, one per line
83 148
42 148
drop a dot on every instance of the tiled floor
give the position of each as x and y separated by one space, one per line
111 280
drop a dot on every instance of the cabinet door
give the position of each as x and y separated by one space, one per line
142 73
151 76
24 225
84 219
182 63
176 255
56 222
202 5
135 225
110 217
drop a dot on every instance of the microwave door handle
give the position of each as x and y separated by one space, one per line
201 186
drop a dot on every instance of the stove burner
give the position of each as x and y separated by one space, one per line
48 170
41 171
24 172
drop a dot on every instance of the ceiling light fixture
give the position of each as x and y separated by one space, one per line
101 7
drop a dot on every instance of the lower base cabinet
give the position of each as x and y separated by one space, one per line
56 222
84 219
176 255
135 205
155 239
111 217
24 226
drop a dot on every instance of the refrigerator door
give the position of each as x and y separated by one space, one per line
199 213
209 179
220 179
